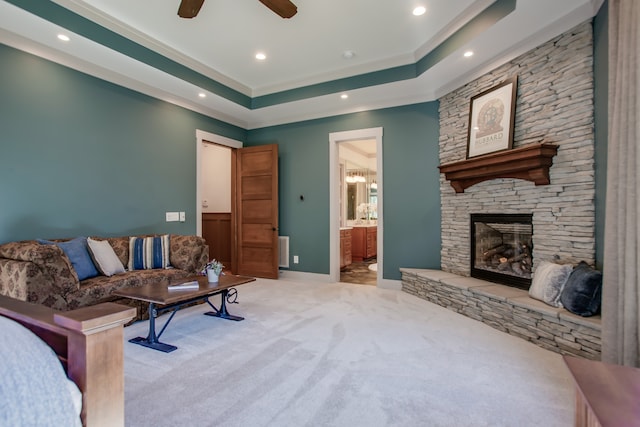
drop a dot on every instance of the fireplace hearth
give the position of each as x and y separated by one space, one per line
501 248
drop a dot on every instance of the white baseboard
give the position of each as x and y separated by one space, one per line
395 285
302 275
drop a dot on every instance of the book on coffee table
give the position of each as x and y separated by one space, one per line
186 285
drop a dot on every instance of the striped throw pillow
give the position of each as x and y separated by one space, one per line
146 253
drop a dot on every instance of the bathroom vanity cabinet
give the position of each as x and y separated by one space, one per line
364 242
345 247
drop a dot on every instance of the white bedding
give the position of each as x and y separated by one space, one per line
34 389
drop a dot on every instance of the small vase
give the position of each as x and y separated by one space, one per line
212 276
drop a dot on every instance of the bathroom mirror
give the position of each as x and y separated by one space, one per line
361 194
358 183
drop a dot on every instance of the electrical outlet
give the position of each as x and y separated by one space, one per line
296 259
183 217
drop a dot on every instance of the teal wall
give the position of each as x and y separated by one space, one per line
411 185
80 156
601 105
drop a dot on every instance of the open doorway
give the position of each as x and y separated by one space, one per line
358 211
338 211
216 201
213 194
201 138
254 205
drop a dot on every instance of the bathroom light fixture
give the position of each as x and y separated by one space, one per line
63 37
420 10
355 176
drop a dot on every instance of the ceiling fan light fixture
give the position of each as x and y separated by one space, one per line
284 8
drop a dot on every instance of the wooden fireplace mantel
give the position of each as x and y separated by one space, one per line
530 162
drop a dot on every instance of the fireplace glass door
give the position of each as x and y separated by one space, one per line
501 248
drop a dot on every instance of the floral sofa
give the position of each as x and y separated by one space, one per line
44 274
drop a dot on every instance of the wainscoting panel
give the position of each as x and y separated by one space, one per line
216 230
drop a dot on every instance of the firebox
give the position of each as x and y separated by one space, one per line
501 248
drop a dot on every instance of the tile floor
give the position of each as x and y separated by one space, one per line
359 273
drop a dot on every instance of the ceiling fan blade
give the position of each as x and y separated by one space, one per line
284 8
189 8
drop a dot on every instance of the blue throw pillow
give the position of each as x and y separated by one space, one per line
147 253
583 291
78 253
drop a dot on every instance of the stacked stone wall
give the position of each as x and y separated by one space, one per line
554 104
508 310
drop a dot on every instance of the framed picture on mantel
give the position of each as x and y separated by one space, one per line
491 119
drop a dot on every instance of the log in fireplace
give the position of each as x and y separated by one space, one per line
501 248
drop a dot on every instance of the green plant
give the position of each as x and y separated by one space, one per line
214 265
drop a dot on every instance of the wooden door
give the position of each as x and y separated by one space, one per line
256 173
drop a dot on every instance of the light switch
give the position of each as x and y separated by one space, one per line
183 217
172 216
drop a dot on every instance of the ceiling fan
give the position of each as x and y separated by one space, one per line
284 8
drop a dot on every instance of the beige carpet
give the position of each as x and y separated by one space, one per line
313 354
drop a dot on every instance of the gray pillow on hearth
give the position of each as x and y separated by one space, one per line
583 291
548 282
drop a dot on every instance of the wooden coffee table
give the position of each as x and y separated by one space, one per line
173 297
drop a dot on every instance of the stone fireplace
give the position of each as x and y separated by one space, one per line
501 248
554 105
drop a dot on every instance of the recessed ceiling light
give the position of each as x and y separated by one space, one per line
63 37
261 56
348 54
468 53
202 95
420 10
344 96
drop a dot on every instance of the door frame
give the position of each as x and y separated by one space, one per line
334 196
201 137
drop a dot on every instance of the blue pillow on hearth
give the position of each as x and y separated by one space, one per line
78 253
582 293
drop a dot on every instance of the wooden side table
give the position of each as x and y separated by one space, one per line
606 395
